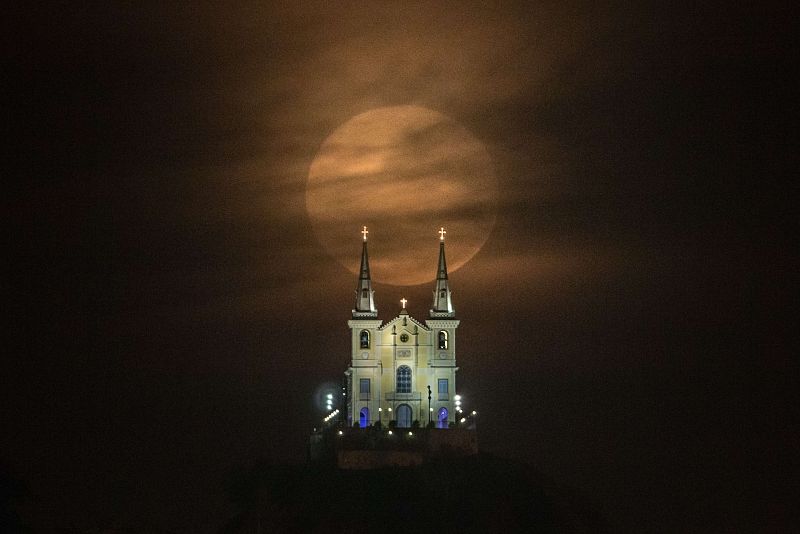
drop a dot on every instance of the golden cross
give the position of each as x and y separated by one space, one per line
442 231
364 232
403 302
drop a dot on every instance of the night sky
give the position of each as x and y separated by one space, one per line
170 310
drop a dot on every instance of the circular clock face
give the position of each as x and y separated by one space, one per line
403 337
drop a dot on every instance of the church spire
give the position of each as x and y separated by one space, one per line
365 300
442 301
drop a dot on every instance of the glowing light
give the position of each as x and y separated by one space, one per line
430 409
390 409
457 397
390 432
340 432
458 403
463 419
403 302
330 395
364 232
410 433
474 412
330 415
442 231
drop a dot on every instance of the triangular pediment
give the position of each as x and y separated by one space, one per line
408 327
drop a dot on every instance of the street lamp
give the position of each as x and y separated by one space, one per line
430 410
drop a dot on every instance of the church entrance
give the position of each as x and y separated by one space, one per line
404 416
363 418
441 421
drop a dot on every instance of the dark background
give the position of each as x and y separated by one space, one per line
169 314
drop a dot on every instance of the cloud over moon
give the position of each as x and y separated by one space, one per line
403 171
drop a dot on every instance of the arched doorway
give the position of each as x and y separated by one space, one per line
363 418
404 416
441 420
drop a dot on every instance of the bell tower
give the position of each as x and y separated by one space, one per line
364 373
365 296
442 300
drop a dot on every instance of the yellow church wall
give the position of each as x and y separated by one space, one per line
387 352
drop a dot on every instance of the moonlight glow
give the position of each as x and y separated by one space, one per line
404 172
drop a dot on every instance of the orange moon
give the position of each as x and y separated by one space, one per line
403 172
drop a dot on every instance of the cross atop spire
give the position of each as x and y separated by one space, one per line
442 300
365 299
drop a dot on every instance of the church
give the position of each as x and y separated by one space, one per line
402 373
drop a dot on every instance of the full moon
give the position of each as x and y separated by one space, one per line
404 172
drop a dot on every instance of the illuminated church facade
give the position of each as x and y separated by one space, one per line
404 370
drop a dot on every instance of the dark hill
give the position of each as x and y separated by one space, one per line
481 493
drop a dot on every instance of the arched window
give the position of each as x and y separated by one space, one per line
404 379
442 339
364 339
441 420
404 416
363 418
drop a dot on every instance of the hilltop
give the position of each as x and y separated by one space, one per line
481 493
